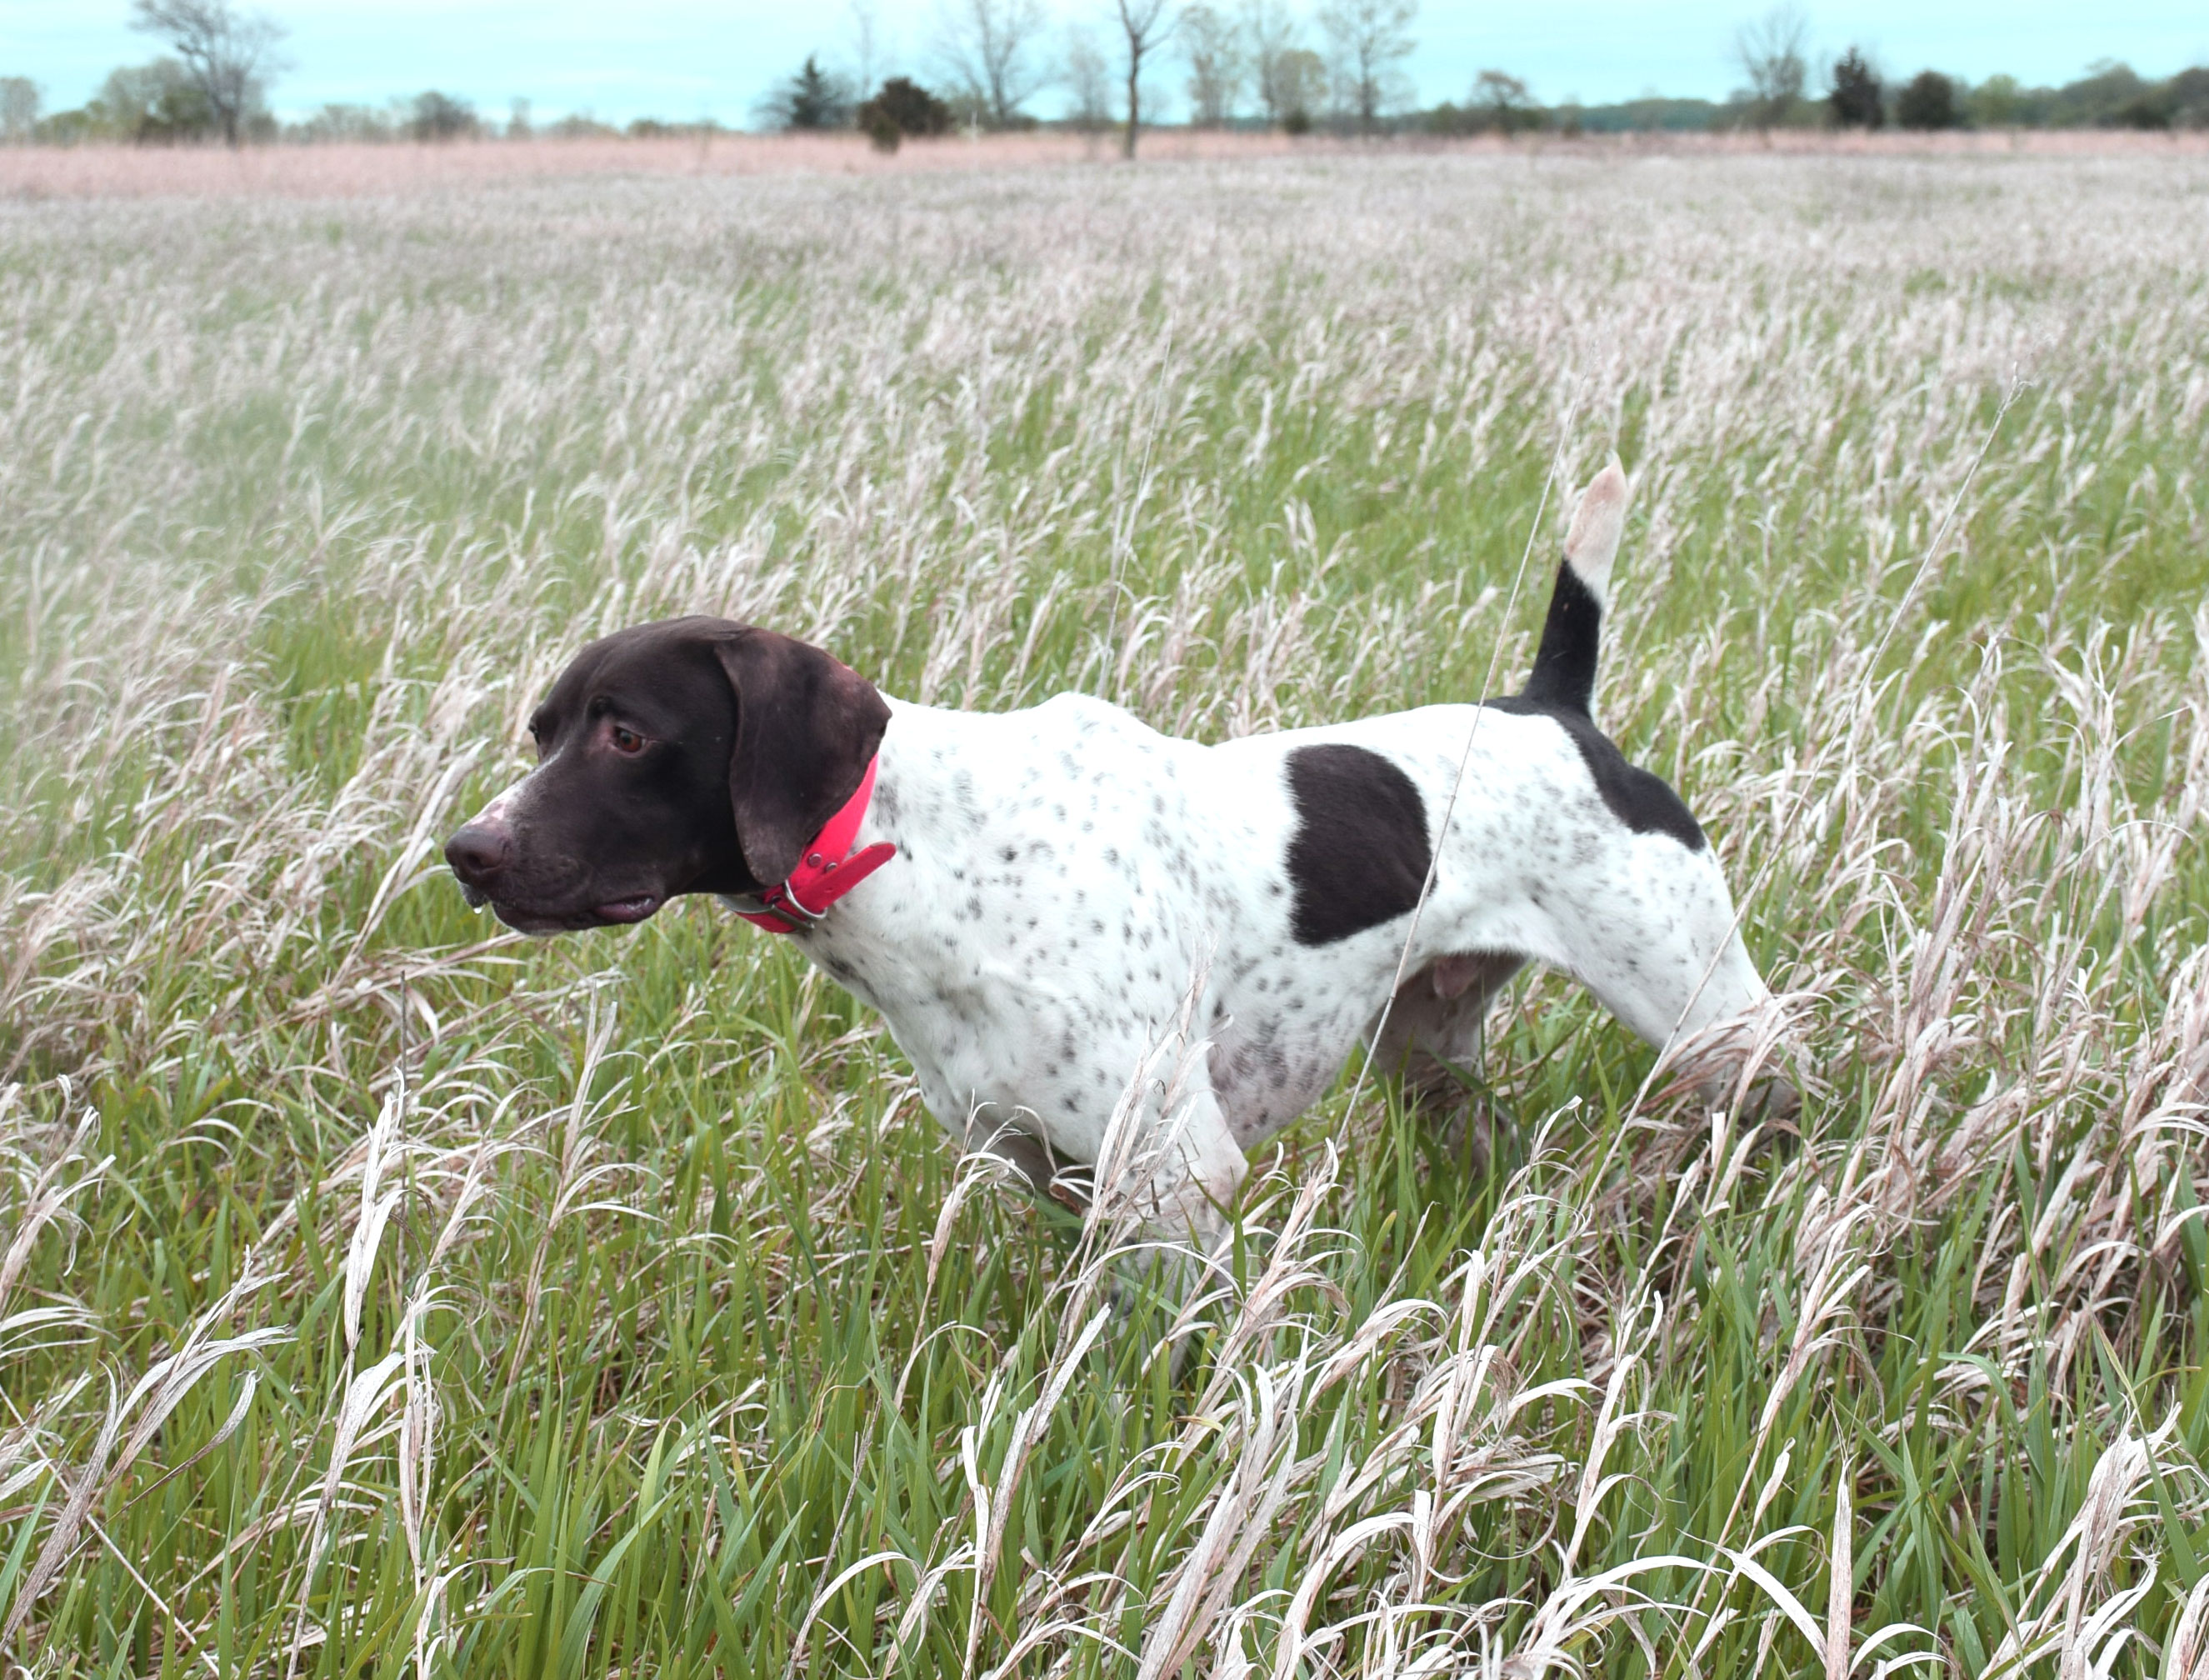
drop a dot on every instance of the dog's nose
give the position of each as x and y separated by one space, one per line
478 851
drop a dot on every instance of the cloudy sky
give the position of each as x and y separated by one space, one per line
687 58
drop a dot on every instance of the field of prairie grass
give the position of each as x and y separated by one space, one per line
381 1295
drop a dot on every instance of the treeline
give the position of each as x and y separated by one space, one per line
1242 63
1773 54
212 84
1855 96
1255 63
158 104
1239 63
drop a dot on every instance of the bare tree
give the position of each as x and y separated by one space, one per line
1144 26
440 116
227 54
1504 103
1303 76
988 46
1089 78
1366 41
1269 35
1215 64
866 49
1771 52
19 109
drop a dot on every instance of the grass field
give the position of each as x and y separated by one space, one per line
381 1295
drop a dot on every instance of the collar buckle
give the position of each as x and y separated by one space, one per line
779 901
829 869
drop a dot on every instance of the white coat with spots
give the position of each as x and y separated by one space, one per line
1082 909
1086 921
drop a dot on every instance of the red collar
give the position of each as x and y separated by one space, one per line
827 870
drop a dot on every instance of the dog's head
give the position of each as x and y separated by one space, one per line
690 755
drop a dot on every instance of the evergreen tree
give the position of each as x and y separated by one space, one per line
1855 99
814 100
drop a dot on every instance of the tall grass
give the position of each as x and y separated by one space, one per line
380 1294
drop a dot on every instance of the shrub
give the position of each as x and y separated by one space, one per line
2147 112
2189 98
178 112
1928 102
903 107
1998 103
582 125
155 104
2099 98
19 109
340 122
1503 104
440 116
879 127
1447 119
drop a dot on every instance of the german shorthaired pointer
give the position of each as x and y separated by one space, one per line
1064 916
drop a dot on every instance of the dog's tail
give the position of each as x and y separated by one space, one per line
1564 665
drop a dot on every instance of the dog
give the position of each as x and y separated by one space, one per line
1041 904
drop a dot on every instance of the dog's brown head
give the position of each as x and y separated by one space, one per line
690 755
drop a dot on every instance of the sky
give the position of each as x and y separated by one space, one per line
682 59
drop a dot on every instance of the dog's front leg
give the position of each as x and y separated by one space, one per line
1164 1187
1168 1170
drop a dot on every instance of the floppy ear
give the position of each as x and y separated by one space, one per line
807 727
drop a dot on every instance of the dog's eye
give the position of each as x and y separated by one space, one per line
627 741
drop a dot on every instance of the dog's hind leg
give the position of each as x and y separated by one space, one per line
1433 1033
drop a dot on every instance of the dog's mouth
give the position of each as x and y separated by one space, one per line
614 912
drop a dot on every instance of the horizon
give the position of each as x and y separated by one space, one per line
689 60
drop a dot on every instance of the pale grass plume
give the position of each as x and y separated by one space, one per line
123 1438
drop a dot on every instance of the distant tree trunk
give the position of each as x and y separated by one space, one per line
1089 78
1771 50
1368 39
1145 25
1271 34
1215 65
